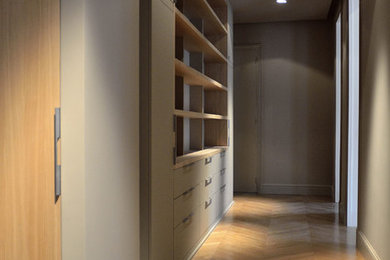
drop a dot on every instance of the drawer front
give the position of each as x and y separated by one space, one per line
224 199
209 185
211 165
222 160
187 177
185 204
209 212
187 234
222 177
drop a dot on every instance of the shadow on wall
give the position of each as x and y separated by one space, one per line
297 42
298 102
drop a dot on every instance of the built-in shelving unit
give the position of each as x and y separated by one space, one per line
201 76
186 159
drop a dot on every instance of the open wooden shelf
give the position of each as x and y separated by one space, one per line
212 23
196 115
197 156
193 77
195 41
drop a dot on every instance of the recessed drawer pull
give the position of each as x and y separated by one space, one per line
223 187
208 160
186 219
223 171
208 203
208 182
188 191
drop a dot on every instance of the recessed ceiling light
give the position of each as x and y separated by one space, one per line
281 1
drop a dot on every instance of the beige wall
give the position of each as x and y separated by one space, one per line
297 95
374 163
100 129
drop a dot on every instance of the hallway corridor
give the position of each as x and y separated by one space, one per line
280 227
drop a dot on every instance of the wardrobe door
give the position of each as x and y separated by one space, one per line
29 94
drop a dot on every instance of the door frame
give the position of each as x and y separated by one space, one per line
353 108
338 113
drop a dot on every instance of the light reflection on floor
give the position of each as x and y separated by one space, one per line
280 227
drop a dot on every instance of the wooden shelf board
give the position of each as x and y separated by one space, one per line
194 41
212 23
197 115
186 159
196 78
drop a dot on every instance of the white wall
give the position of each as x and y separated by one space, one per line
100 129
297 95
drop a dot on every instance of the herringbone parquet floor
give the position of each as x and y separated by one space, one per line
280 227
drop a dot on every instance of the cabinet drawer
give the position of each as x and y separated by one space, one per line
222 160
209 185
223 177
187 234
224 199
209 212
211 164
187 177
185 204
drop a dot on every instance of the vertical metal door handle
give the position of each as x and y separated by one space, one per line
57 167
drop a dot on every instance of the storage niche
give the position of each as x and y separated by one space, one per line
201 77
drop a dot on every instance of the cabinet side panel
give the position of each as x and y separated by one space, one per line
162 136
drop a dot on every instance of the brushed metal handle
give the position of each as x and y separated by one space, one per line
186 219
208 203
208 182
57 167
208 160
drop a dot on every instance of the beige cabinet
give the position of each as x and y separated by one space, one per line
187 108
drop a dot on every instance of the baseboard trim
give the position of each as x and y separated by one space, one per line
200 243
296 189
366 248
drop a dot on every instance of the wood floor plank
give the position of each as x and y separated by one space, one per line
280 227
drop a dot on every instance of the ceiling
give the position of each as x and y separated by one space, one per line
259 11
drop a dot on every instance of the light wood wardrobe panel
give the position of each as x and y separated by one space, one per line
29 93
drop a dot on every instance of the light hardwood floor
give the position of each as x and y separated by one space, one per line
280 227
